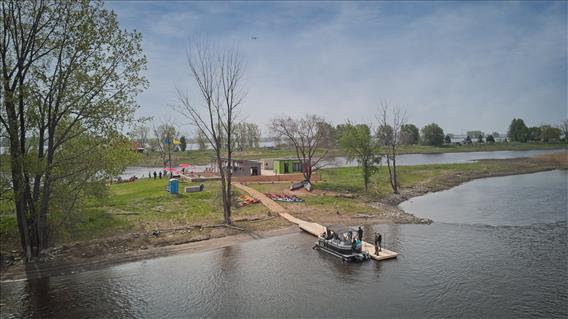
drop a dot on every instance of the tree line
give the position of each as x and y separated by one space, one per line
519 132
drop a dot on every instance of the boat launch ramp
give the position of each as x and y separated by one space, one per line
309 227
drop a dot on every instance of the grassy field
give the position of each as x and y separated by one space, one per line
204 157
143 205
434 177
349 179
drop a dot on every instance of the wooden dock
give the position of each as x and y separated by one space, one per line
309 227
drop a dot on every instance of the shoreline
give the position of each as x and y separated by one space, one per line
150 162
388 207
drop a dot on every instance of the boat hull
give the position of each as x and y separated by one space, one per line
341 251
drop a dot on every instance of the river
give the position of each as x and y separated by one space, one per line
448 158
403 160
497 248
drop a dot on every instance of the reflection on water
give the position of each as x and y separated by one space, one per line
445 269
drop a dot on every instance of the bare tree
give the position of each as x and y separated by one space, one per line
305 134
246 136
218 76
164 135
390 137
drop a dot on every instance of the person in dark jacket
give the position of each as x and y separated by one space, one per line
160 174
378 239
360 233
155 175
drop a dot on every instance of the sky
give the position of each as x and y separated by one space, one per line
463 65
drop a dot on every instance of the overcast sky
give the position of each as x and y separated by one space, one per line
465 66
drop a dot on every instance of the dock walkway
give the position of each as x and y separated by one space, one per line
309 227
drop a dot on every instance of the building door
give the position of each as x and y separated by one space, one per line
253 171
286 168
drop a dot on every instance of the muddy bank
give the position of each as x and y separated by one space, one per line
69 259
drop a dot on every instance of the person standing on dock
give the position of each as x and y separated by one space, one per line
360 233
378 239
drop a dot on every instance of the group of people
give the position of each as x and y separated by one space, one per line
163 173
356 242
157 174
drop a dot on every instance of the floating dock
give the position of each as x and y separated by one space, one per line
309 227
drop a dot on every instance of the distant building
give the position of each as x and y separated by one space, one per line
239 167
287 166
475 134
138 147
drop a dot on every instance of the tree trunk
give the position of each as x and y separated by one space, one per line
228 192
224 189
394 177
390 172
366 175
17 171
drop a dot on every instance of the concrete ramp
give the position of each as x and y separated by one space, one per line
309 227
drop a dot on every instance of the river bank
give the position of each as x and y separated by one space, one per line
203 157
324 206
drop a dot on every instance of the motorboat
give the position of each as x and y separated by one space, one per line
339 241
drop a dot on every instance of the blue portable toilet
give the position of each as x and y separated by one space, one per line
173 186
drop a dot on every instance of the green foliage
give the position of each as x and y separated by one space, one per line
409 134
78 74
490 139
448 139
432 134
534 134
357 142
518 131
549 133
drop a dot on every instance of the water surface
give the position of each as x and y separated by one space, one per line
487 261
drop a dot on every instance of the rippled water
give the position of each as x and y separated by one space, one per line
512 266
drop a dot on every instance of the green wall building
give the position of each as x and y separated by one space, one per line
286 166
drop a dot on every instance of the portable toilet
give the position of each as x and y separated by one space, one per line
173 186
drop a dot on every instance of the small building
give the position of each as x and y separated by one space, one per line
287 166
239 167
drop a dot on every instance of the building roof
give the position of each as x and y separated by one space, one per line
236 160
281 159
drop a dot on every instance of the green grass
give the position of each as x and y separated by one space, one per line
512 146
139 206
349 179
147 201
